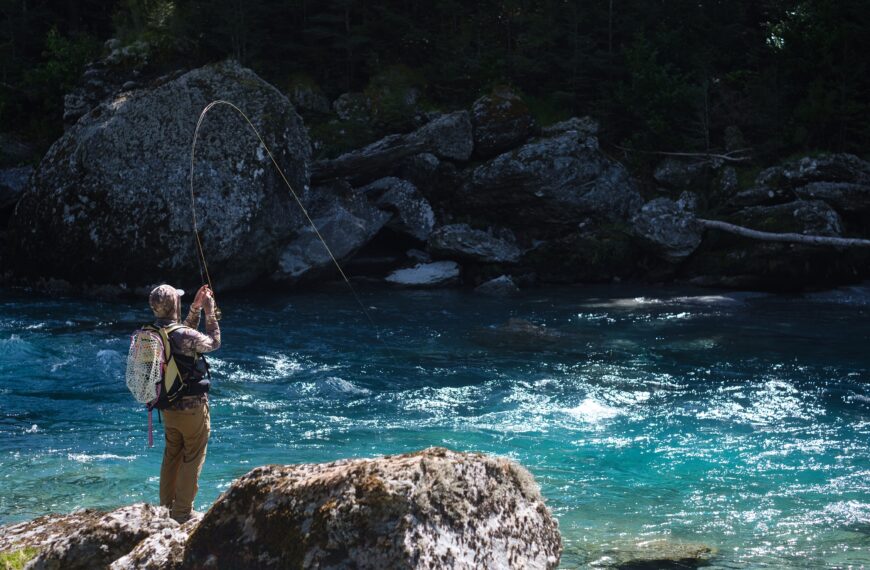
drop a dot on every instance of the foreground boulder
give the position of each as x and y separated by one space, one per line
110 201
96 543
431 509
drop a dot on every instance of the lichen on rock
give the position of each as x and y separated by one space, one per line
110 201
431 509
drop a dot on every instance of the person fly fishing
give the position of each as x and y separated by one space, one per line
186 419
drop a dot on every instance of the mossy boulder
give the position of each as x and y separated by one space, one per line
501 120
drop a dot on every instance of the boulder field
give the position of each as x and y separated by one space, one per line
463 197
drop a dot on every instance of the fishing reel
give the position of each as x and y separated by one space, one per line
217 313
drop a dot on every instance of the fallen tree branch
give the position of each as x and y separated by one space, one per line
733 156
784 237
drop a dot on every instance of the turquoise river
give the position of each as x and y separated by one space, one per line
738 420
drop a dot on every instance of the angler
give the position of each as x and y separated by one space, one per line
185 409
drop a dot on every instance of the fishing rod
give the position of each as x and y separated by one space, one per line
203 265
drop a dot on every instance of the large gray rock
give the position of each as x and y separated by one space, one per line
463 242
823 168
110 201
447 136
345 220
551 182
668 227
434 274
656 554
97 543
431 509
412 213
810 217
841 180
847 197
501 121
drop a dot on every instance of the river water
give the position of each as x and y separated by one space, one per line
738 420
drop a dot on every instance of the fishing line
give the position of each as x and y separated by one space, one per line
203 265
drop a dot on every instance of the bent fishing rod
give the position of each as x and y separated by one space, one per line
203 265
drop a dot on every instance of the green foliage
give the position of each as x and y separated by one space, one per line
64 60
17 559
394 94
793 75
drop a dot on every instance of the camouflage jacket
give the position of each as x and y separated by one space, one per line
189 341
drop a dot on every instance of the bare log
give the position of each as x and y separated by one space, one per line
733 156
784 237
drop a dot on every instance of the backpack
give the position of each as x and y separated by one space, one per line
152 375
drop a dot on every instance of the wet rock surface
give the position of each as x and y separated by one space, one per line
656 554
431 509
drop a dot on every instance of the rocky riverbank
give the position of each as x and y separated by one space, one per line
462 197
431 509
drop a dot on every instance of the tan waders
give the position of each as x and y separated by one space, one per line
187 425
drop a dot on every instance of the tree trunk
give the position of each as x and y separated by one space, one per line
784 237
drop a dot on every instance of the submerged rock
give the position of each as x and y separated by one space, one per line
522 335
431 509
656 554
110 201
461 241
426 274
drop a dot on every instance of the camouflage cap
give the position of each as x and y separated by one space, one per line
163 299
